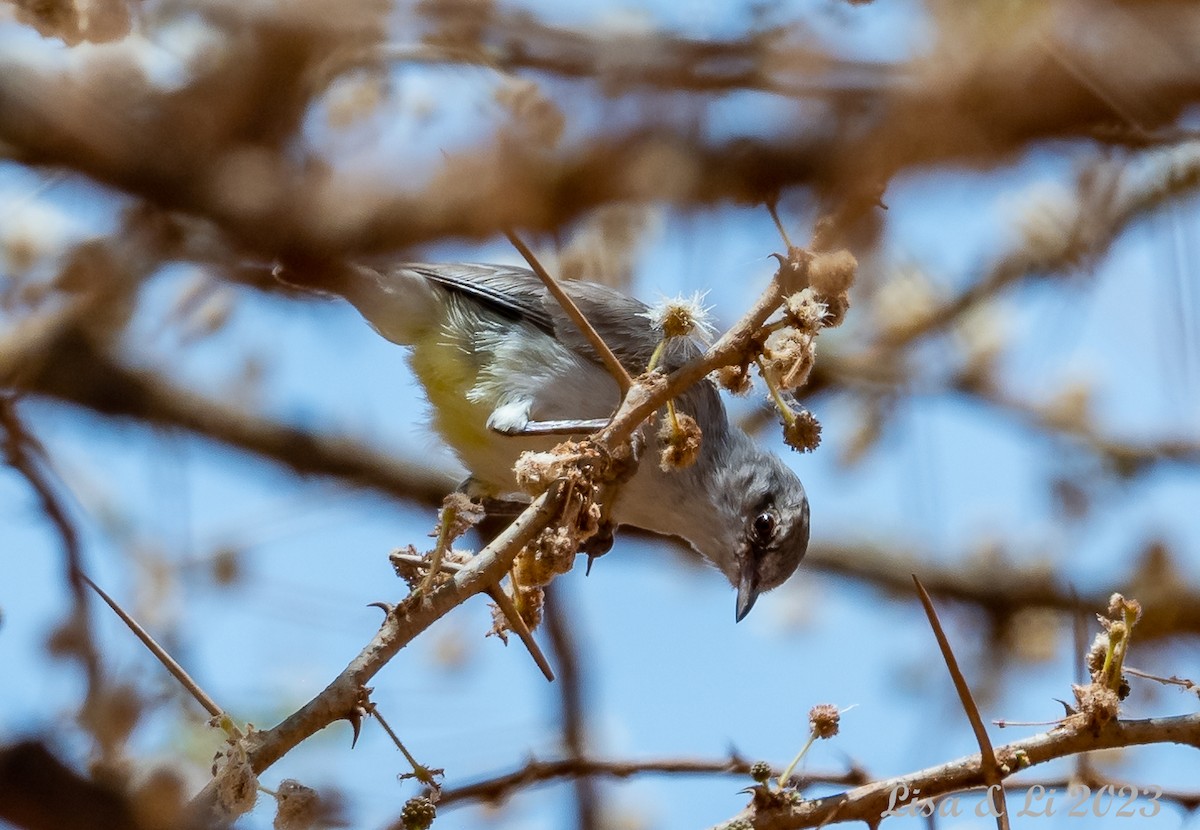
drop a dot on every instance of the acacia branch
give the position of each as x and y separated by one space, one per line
610 361
254 95
650 392
877 374
534 772
68 367
868 803
56 359
988 766
341 699
1004 587
767 60
1066 237
1127 458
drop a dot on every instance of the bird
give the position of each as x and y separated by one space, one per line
505 371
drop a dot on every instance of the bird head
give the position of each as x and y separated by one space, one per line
772 528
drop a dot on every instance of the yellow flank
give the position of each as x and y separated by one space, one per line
447 374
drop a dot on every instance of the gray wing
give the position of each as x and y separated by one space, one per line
513 293
621 321
517 294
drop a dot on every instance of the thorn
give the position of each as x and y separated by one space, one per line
168 662
387 607
521 630
773 208
361 709
356 718
1070 709
987 755
607 358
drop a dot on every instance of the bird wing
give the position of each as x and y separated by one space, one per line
514 293
517 294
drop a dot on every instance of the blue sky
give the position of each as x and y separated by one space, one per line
669 674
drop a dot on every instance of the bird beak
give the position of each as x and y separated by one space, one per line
747 587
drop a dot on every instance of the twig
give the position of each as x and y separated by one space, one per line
647 395
879 372
1182 682
169 663
421 772
60 363
620 375
773 208
1101 215
445 524
904 117
867 803
991 773
1093 83
495 790
515 620
1127 457
342 697
1002 587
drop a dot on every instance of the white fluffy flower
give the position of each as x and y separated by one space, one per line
683 317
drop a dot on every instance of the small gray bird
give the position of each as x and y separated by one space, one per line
506 371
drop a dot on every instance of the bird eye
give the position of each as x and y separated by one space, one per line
764 527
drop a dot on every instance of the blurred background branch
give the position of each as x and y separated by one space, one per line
1010 410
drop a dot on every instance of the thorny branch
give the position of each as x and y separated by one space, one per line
52 357
341 699
872 376
868 802
534 772
225 148
495 790
1064 236
256 93
148 396
987 755
1003 587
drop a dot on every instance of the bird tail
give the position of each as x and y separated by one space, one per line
399 303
